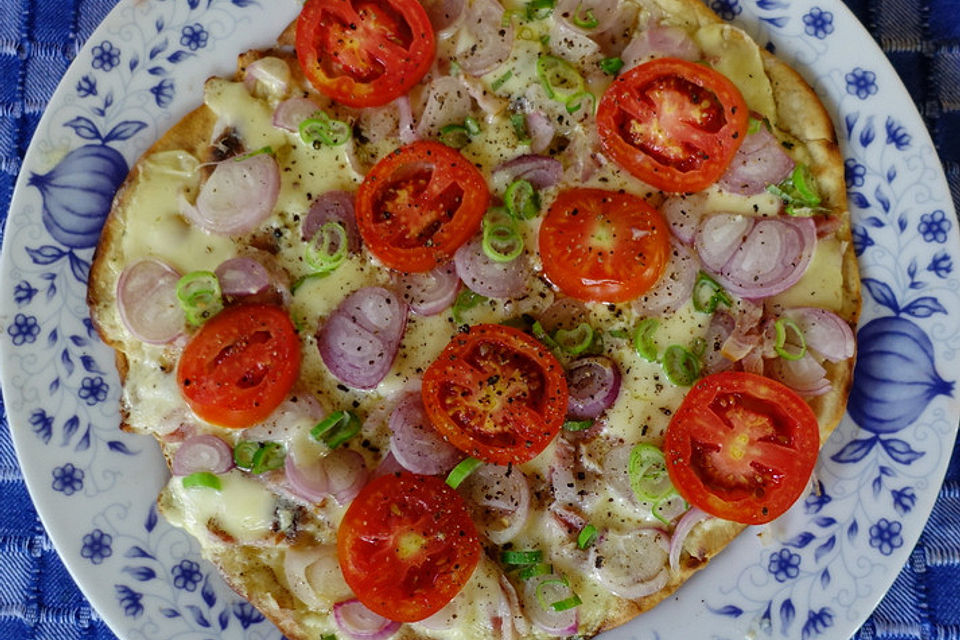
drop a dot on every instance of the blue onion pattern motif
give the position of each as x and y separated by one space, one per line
784 565
861 83
194 36
93 389
895 377
67 479
818 23
941 264
105 56
885 536
727 9
186 575
934 226
24 329
97 546
854 173
78 192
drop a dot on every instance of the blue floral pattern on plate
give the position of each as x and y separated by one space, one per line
815 573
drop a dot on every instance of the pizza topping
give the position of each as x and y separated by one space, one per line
242 277
493 38
202 453
447 103
314 575
823 331
551 604
690 519
684 213
336 207
587 16
341 474
798 191
444 14
147 301
359 622
594 384
489 276
359 340
240 365
759 162
756 258
659 41
805 375
200 296
540 171
499 500
675 286
415 443
237 197
268 77
291 112
633 564
430 292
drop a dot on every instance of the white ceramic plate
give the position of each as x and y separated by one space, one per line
817 572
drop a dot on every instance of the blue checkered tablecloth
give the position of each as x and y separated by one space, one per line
39 38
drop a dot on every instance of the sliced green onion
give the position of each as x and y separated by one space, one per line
664 506
519 122
577 425
463 469
580 100
501 243
202 479
473 127
268 457
584 19
708 293
539 9
454 68
532 556
782 326
643 339
243 453
502 80
587 535
566 603
559 78
200 296
648 473
575 341
534 570
465 301
681 366
321 129
621 334
507 18
798 192
328 636
299 282
328 248
611 66
522 200
754 125
262 150
541 334
698 347
336 428
455 135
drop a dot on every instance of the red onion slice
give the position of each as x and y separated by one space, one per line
359 340
499 499
430 292
539 171
414 442
616 471
314 575
290 113
267 77
346 473
684 213
541 132
686 524
202 453
405 126
359 622
493 40
824 332
488 277
237 197
444 14
675 285
332 206
242 276
557 623
762 260
805 376
604 12
307 478
658 41
633 563
448 102
147 301
760 161
594 383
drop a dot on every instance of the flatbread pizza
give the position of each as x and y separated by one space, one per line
469 319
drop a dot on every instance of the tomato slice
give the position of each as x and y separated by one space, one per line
407 546
742 447
240 365
603 246
364 53
496 393
674 124
419 204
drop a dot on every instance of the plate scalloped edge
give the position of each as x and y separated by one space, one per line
817 572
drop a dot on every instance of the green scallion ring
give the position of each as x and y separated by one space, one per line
611 66
501 243
661 504
549 582
502 80
647 470
257 152
541 334
522 200
532 556
580 99
336 429
534 570
463 469
202 479
708 294
328 248
781 326
587 536
519 122
681 367
584 19
321 129
539 9
268 457
575 341
559 78
643 339
199 295
243 453
566 603
456 136
577 425
465 301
